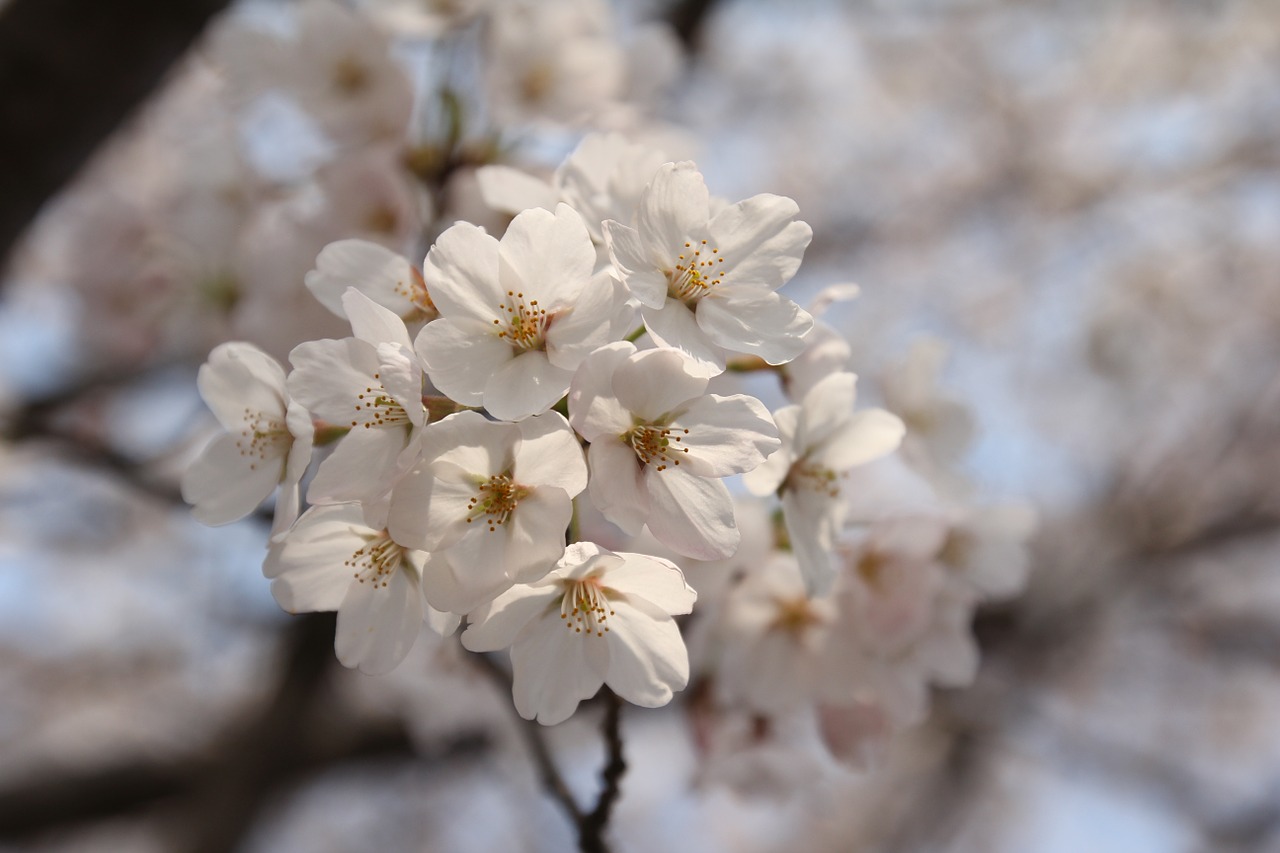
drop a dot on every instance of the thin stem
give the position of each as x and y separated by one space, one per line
591 828
636 335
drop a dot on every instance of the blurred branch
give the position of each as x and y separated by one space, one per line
590 826
70 71
687 17
225 786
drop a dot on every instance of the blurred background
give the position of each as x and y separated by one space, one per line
1082 201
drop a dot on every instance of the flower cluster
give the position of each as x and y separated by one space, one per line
541 430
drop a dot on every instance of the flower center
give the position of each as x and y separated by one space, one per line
806 475
263 437
654 443
376 408
694 273
526 324
495 500
585 607
376 561
795 616
350 76
416 292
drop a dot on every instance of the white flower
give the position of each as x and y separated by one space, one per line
821 440
772 641
987 548
706 283
371 383
939 430
660 446
552 60
597 618
268 440
493 499
333 560
602 179
384 276
517 316
338 67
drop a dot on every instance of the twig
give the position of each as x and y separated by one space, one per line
592 827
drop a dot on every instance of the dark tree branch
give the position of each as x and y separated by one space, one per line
70 71
592 827
687 17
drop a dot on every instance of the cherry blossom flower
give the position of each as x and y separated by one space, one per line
371 383
602 179
598 618
939 430
660 446
384 276
333 559
706 283
517 316
822 438
267 441
492 499
987 548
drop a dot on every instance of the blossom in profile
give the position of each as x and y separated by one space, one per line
492 499
661 446
706 283
598 618
822 438
384 276
333 559
371 384
517 316
267 441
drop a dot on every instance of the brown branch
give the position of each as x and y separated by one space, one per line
592 827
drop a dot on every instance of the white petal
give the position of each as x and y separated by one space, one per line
813 520
401 376
512 191
358 467
537 534
329 375
461 272
653 383
760 240
600 316
726 435
240 376
460 358
552 671
867 435
408 519
617 486
377 626
371 322
306 565
674 325
223 485
644 279
827 407
478 567
549 455
379 273
768 325
496 625
658 581
674 208
593 409
524 386
647 657
691 515
548 256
